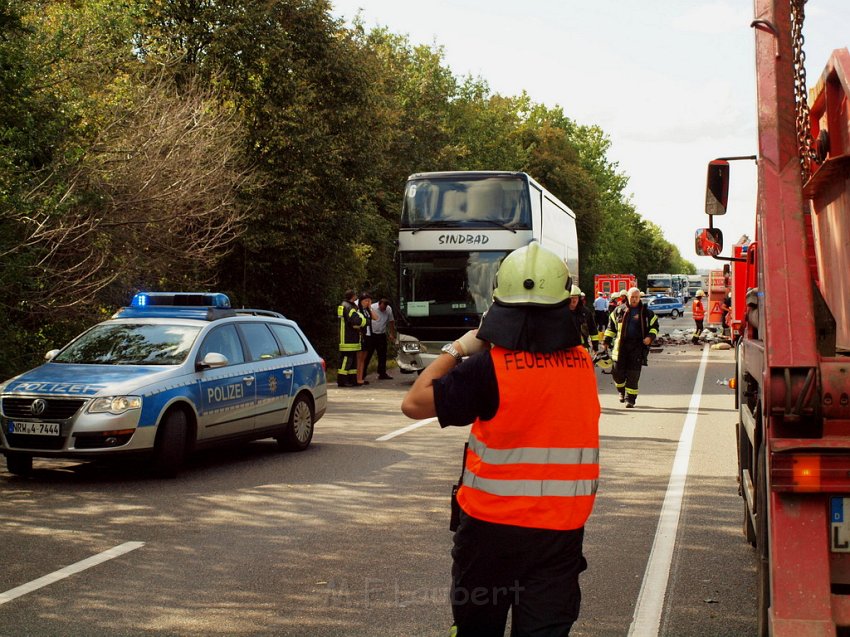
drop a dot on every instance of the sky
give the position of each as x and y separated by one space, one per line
670 82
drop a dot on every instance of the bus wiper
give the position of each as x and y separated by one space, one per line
434 223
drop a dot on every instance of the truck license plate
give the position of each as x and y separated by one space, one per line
839 532
34 428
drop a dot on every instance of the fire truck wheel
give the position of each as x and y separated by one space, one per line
744 460
762 545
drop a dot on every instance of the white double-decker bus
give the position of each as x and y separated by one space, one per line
456 227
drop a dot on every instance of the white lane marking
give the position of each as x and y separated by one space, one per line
650 603
62 573
404 430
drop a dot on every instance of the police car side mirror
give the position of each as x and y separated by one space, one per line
51 354
213 360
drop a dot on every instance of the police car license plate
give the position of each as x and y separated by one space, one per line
34 428
839 523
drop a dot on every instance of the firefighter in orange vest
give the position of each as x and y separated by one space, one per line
531 464
698 310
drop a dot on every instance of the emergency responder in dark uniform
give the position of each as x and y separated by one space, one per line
631 329
585 318
532 463
350 323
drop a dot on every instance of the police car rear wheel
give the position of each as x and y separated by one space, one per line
674 314
170 449
298 430
18 463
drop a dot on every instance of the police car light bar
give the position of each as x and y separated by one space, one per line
196 305
181 299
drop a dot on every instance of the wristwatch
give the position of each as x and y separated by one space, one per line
449 348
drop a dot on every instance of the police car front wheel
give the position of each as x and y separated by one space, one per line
170 449
298 431
19 463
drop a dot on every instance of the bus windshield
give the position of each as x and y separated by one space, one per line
455 287
479 200
656 281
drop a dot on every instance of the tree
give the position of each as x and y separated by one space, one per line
135 182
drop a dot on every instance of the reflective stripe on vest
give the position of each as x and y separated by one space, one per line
531 488
536 462
533 455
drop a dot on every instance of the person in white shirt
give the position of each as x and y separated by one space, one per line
376 342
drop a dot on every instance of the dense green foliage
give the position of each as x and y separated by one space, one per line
258 148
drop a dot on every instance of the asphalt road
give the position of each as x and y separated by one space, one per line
350 537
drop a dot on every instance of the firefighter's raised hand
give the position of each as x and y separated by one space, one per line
470 344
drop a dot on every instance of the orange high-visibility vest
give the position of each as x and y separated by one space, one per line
536 462
698 310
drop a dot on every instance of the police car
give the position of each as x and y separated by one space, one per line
170 373
666 306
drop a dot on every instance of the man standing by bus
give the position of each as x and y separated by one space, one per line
631 330
377 343
532 464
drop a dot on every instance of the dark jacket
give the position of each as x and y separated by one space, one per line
350 323
619 319
586 323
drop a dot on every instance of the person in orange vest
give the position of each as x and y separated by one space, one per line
531 465
698 310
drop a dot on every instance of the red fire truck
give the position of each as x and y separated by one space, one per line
793 357
610 283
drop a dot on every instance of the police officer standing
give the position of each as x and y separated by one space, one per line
600 308
350 323
632 328
532 462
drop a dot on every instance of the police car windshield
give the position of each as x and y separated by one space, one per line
131 344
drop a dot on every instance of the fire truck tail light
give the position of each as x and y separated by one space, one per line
810 473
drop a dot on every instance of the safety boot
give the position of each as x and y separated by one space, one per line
622 396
